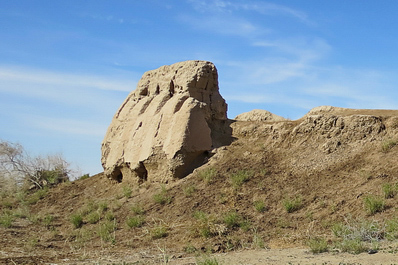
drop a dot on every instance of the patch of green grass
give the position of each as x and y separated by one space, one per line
106 231
137 209
135 221
208 175
389 190
189 191
373 204
392 229
260 206
47 220
93 217
387 145
207 260
353 246
232 219
318 245
292 204
6 219
240 177
127 191
162 197
38 195
76 220
159 231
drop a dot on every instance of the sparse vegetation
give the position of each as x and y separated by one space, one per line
373 204
240 177
135 221
387 145
159 231
189 191
292 204
207 260
389 190
127 192
208 175
106 231
6 219
76 220
318 245
260 206
161 197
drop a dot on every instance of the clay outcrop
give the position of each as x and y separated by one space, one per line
167 126
259 115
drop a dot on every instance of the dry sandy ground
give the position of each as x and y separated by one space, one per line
255 257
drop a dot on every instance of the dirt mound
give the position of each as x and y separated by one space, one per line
258 115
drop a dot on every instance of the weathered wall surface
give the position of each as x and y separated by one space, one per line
165 127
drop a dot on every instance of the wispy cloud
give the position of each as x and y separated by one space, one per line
252 6
35 76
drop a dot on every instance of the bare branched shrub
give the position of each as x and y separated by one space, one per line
17 168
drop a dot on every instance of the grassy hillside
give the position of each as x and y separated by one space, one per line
328 181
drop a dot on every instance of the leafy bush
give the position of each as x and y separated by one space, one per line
373 204
292 205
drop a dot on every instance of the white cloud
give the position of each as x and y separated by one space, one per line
254 6
34 76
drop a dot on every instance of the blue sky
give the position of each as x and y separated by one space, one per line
66 66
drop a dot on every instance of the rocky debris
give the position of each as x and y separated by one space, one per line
167 126
259 115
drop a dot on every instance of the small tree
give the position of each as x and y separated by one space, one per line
16 165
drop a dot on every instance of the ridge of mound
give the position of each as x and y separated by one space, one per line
258 115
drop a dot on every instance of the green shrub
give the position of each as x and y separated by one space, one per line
106 231
127 191
206 260
260 206
389 190
38 195
232 219
135 221
6 219
159 232
137 209
318 245
85 176
373 204
188 191
93 217
162 197
387 145
292 205
208 175
48 220
353 246
76 220
240 177
392 229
